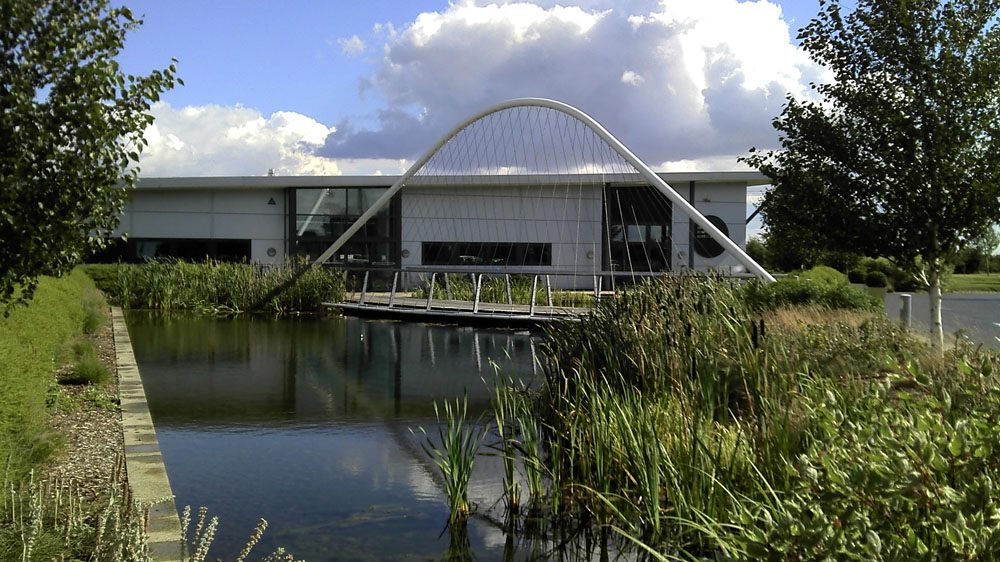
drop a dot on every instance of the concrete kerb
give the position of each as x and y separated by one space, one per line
146 474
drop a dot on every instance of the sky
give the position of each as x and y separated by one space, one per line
338 87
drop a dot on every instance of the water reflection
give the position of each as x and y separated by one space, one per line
306 423
235 371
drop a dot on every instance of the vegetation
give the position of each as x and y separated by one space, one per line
923 77
454 453
695 416
216 287
973 283
34 343
71 126
494 290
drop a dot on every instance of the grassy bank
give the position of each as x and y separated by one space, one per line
34 341
216 287
711 420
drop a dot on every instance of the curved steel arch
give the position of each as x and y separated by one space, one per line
655 180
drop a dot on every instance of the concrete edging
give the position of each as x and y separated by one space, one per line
147 477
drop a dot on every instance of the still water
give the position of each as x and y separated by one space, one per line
306 423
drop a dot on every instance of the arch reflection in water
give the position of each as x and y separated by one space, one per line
306 423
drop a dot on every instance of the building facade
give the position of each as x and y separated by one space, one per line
581 225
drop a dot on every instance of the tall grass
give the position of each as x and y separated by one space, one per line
219 287
493 289
681 402
454 452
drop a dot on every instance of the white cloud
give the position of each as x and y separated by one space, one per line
352 45
213 140
631 78
690 83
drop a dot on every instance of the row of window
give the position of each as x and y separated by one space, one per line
486 253
136 250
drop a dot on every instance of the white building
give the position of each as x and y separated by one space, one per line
570 224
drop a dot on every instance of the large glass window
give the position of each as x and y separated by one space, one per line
637 229
323 215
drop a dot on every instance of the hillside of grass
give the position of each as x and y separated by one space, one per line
34 341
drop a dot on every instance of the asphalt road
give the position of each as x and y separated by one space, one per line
976 313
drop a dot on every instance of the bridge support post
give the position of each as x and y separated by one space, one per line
548 290
430 293
447 286
597 287
479 285
364 289
534 288
392 291
510 299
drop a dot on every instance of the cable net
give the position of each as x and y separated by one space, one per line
529 190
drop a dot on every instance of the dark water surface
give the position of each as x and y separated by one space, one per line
306 423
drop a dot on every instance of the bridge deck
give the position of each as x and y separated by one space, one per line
455 311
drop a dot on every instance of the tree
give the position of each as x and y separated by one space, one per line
987 243
71 126
898 156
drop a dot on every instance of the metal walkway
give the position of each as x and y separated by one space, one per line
403 306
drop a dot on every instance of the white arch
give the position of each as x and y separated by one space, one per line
655 180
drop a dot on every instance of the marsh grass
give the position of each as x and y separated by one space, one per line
454 453
675 410
494 290
221 288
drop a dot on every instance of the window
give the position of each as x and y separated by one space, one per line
486 253
136 250
323 215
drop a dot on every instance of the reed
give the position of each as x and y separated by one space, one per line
454 452
493 289
503 402
676 405
222 288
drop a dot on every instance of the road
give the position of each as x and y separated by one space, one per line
976 313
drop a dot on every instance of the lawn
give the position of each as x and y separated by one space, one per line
973 283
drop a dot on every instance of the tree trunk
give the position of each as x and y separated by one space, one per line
937 330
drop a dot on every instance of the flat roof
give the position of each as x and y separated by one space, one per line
280 182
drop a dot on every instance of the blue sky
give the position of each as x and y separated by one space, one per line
339 87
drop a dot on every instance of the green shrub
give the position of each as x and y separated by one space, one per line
105 276
83 348
856 276
89 370
876 279
824 275
905 471
788 291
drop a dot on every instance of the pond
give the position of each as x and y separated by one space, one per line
307 423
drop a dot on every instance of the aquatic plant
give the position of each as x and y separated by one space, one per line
221 288
454 452
493 289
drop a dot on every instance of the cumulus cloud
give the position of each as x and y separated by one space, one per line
352 45
684 81
213 140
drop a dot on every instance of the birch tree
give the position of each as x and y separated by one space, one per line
895 156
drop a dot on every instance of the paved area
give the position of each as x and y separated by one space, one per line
146 474
978 314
